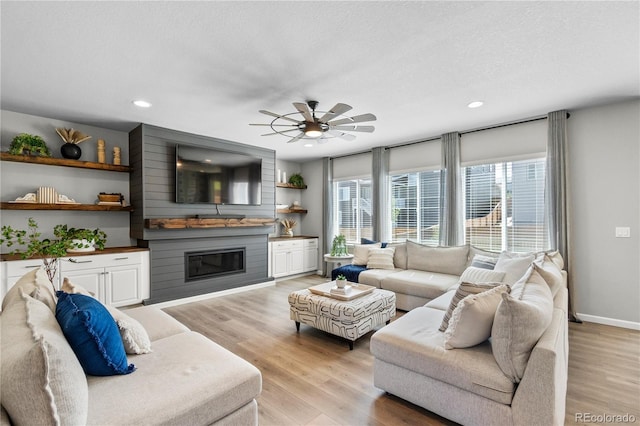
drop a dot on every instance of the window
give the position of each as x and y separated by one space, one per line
505 206
415 206
354 214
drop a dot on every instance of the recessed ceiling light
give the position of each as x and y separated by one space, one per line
142 104
475 104
308 145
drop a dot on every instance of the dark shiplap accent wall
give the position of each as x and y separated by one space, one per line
152 191
152 156
168 273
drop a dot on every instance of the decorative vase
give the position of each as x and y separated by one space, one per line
288 232
71 151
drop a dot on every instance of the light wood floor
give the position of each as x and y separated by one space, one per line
312 378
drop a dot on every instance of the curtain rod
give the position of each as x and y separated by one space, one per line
527 120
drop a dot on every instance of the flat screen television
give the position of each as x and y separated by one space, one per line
214 176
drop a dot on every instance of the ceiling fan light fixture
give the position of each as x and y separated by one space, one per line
312 130
475 104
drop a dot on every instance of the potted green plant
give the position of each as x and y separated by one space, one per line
82 239
26 144
50 249
341 281
296 180
339 246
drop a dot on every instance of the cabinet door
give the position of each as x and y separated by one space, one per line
311 254
91 279
123 285
280 266
296 259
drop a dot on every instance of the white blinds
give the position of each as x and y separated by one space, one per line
416 157
515 142
352 166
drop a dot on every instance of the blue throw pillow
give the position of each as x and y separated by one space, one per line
93 335
368 241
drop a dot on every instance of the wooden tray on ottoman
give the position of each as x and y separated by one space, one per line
352 290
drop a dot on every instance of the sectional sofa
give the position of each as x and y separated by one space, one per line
485 340
176 376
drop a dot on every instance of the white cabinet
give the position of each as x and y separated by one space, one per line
117 279
293 257
310 255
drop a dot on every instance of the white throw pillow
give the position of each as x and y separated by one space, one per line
521 319
134 337
381 258
550 273
480 275
515 265
361 253
472 319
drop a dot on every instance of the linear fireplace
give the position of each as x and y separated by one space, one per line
200 265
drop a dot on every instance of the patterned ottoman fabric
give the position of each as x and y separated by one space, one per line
349 319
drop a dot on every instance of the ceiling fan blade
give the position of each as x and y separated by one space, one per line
355 119
355 128
338 109
295 138
304 110
272 125
280 133
341 135
273 114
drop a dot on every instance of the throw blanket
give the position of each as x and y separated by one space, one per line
351 272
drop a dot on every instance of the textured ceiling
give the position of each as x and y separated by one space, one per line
208 67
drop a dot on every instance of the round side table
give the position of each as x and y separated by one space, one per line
338 260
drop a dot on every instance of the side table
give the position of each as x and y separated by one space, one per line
338 260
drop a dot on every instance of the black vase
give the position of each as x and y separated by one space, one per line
71 151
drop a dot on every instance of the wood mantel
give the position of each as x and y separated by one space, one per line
200 223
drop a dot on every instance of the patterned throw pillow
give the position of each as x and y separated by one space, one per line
93 335
464 290
472 319
381 258
484 262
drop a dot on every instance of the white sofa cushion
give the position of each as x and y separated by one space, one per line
550 273
520 320
515 265
400 255
472 319
425 284
361 253
413 342
464 289
186 380
443 260
381 258
41 379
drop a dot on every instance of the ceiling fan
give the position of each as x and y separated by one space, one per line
332 123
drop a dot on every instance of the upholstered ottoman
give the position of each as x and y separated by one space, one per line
349 319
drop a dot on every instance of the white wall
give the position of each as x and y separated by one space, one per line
83 185
605 184
312 200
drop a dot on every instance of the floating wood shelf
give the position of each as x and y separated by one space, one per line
78 207
5 156
288 185
194 223
291 211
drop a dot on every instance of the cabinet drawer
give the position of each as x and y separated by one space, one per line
17 268
77 263
311 243
287 245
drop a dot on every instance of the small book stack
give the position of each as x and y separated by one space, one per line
343 291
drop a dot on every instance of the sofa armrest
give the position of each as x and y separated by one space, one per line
541 395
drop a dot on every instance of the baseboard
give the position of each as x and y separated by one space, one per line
206 296
609 321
